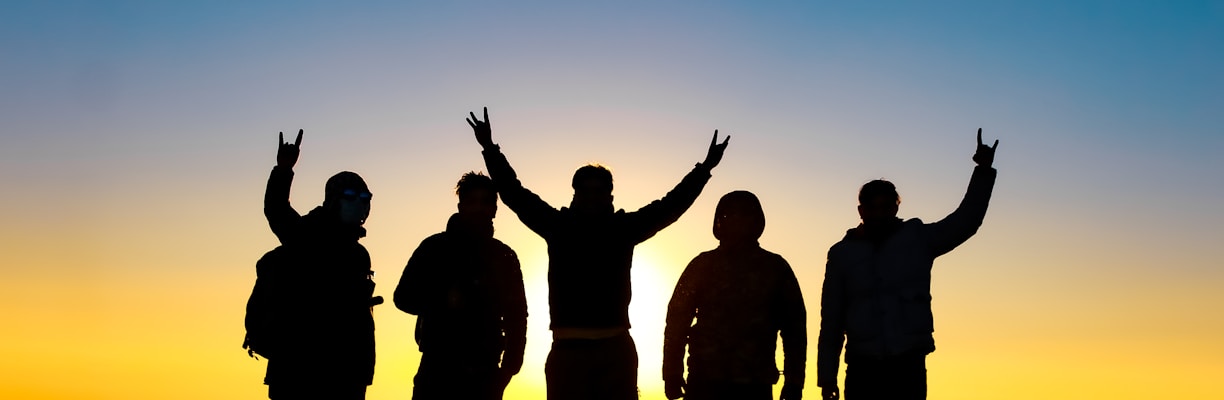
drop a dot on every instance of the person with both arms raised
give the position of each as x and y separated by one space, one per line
590 251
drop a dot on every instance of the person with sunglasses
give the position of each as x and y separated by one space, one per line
322 289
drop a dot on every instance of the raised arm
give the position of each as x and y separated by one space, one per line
961 224
282 218
657 215
537 214
680 313
794 336
832 329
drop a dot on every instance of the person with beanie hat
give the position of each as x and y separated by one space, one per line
324 288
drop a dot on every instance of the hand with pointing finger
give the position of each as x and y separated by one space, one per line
287 155
985 154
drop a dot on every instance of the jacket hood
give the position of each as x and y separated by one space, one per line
749 223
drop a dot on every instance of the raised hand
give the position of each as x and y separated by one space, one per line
484 134
287 154
714 156
985 154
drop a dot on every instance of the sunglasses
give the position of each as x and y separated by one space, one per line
350 194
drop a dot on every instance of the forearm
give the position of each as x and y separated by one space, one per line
679 322
674 342
832 326
977 196
828 355
661 213
794 353
277 210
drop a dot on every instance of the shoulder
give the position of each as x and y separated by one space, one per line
436 238
502 248
705 257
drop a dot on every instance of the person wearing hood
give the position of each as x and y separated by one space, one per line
466 289
877 289
324 288
590 252
742 297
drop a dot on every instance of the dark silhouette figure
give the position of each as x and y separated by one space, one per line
742 296
590 249
467 290
318 289
877 289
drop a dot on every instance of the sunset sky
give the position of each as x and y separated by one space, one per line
136 138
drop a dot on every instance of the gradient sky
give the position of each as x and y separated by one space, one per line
136 137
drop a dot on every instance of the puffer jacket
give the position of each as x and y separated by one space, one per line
877 296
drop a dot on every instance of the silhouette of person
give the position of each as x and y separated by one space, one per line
467 290
590 249
877 289
742 296
325 289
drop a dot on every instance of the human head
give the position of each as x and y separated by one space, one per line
739 217
878 201
477 196
592 187
347 195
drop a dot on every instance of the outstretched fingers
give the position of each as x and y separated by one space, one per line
714 140
979 136
297 142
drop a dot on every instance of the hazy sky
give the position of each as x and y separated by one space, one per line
136 137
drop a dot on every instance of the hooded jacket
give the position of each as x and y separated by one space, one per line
590 253
877 295
742 297
323 295
467 289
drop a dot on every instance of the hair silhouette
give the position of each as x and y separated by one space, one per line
466 289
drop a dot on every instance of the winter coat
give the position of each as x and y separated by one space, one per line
324 295
742 298
877 296
467 289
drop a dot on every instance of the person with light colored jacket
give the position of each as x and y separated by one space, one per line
877 289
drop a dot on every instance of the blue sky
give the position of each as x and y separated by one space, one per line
132 132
